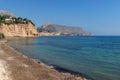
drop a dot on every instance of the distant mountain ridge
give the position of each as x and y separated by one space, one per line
63 30
6 13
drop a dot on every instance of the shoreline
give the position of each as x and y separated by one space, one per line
70 75
4 72
61 70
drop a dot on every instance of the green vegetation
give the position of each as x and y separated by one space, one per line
14 20
2 36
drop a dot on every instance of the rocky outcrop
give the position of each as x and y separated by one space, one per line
13 26
54 29
18 30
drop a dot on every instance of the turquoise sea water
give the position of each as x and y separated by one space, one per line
96 57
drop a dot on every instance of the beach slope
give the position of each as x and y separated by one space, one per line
15 66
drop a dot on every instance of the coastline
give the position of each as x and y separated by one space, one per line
4 72
36 69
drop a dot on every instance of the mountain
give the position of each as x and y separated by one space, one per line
55 29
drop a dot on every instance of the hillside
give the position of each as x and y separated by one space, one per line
63 30
12 26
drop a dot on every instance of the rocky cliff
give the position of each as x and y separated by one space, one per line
18 30
54 29
13 26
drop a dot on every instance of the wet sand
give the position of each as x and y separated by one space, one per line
15 66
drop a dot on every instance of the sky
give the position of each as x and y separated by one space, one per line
100 17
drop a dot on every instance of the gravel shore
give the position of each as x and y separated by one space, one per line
15 66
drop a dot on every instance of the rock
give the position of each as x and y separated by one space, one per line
12 26
18 30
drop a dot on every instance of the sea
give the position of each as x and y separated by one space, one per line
96 57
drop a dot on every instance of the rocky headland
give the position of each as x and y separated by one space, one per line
12 26
58 30
18 30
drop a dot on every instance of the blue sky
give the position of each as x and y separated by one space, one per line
100 17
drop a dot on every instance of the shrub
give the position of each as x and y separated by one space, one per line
14 20
2 35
